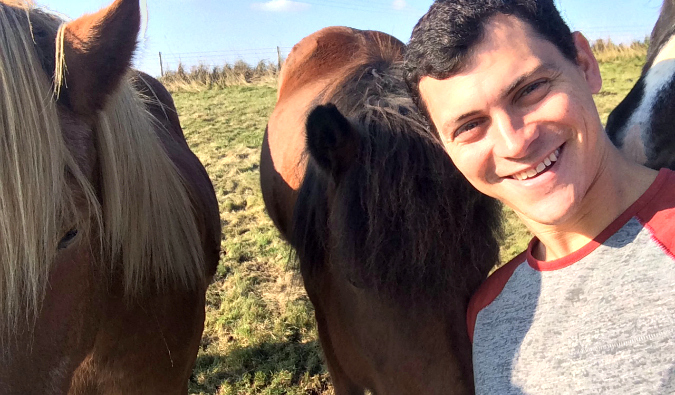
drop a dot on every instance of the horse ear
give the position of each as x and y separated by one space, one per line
98 49
331 139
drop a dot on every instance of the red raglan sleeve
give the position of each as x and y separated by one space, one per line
658 216
489 290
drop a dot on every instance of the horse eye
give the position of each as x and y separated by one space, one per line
70 235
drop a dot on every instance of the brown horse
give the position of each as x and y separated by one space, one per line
643 124
391 239
109 225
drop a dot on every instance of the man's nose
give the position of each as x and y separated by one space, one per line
512 136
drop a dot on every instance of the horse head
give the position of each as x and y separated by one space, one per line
391 239
87 192
401 234
641 126
397 208
51 178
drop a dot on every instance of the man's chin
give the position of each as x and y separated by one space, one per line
545 216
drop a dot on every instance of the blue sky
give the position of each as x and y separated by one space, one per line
217 31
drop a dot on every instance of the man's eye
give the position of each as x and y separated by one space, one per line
532 88
469 126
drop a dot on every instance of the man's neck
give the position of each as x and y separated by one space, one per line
619 184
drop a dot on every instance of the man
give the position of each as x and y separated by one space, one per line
589 307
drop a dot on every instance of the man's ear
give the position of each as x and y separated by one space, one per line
587 63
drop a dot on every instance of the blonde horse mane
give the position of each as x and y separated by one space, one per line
143 221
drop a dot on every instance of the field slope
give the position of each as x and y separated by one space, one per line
260 336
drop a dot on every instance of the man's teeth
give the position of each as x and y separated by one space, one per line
548 161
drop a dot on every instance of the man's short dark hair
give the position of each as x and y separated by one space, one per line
442 40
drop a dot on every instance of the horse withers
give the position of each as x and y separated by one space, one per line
643 124
391 239
109 225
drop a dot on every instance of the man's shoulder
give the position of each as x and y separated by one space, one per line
658 214
491 288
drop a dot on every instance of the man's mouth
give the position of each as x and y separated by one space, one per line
542 167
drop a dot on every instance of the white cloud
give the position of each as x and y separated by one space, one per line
399 4
282 6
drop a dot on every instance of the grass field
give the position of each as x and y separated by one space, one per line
260 336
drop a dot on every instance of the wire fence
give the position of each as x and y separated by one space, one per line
213 69
219 59
275 55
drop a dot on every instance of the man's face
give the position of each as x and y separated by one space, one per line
520 122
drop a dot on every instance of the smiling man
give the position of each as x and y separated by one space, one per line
589 306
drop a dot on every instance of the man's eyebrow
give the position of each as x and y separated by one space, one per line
542 67
467 115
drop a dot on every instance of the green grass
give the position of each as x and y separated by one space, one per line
260 336
619 76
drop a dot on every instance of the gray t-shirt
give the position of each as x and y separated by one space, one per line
599 321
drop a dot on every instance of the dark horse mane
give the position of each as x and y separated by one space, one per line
404 222
663 30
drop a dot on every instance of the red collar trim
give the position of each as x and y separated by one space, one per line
617 224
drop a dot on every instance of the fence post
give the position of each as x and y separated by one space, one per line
279 59
161 65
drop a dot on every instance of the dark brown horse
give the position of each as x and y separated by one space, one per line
391 239
643 124
109 226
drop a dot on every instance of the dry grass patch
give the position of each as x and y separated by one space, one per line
202 77
607 51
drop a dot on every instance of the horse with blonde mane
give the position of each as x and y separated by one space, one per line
109 225
391 239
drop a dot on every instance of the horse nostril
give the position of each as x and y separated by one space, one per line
70 235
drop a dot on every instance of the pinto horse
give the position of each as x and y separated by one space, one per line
643 124
391 239
109 225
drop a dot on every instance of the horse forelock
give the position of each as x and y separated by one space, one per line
402 220
143 215
156 239
372 51
165 245
36 203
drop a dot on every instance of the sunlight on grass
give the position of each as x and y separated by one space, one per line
260 336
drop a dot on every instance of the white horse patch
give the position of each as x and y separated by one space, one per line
637 128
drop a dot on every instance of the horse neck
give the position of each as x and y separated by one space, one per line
662 42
